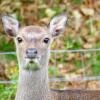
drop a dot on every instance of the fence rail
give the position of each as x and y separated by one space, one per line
60 51
54 79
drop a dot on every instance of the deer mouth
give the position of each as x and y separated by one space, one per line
33 64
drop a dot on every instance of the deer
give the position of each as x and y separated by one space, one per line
33 53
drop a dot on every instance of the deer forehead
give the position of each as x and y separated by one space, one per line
33 33
36 29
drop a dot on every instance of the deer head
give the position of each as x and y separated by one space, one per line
32 42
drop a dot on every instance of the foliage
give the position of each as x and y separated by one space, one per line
82 32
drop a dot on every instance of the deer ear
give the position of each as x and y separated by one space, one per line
10 25
57 25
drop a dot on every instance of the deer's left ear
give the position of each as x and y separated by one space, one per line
11 25
57 25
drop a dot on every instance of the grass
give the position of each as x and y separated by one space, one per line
7 92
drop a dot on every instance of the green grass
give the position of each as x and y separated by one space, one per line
7 91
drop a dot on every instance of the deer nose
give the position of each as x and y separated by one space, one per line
31 52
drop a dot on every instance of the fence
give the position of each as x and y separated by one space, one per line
81 52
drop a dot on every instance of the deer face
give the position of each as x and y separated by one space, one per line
32 42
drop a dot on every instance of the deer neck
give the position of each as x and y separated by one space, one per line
33 85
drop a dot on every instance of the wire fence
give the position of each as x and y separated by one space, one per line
54 79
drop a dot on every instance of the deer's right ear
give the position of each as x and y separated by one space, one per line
57 25
11 25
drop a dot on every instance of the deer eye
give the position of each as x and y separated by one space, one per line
19 39
46 40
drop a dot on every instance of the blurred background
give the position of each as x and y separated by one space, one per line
75 61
